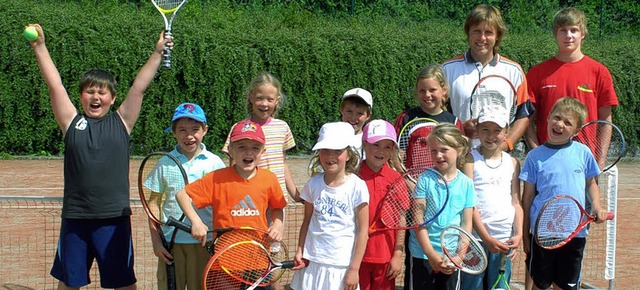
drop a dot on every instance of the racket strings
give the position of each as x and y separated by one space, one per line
395 206
226 243
486 98
557 221
418 154
463 251
605 141
159 177
438 195
400 209
244 262
414 134
226 239
168 5
494 90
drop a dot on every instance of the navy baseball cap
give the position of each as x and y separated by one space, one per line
188 110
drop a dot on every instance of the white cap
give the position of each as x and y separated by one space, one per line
359 93
336 136
377 130
494 113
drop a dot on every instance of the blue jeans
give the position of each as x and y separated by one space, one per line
486 279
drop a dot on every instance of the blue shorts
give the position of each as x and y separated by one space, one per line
108 241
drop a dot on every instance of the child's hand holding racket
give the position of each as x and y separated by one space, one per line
299 261
442 265
601 215
199 231
496 246
163 43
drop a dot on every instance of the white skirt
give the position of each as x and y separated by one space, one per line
319 277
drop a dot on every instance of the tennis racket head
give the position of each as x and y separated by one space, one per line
605 140
392 211
493 90
168 7
240 261
399 208
463 250
430 197
559 220
160 176
412 143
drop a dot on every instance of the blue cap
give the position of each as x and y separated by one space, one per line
188 110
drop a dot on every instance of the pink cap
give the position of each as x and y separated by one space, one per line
377 130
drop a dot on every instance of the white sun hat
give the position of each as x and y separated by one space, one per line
336 136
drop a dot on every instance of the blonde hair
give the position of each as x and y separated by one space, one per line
570 16
449 135
571 105
491 15
352 165
259 80
435 72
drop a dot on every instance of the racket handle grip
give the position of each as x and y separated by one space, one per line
288 264
610 216
178 224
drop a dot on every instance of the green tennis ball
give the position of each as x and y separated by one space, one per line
30 33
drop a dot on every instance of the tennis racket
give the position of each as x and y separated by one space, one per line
605 141
245 263
412 142
399 209
166 8
493 90
560 220
463 250
501 282
160 176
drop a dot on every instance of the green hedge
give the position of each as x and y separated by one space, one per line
220 48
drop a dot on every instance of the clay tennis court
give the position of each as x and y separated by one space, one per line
29 230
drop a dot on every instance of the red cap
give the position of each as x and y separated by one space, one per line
247 130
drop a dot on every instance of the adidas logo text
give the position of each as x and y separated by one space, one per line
245 212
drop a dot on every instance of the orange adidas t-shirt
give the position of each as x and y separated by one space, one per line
237 201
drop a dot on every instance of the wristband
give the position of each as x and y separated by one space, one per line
509 144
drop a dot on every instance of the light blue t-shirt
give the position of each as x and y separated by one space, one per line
558 170
157 181
461 195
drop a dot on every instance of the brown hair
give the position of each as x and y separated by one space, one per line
570 16
491 15
358 102
98 77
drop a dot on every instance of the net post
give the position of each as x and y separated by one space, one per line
612 204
